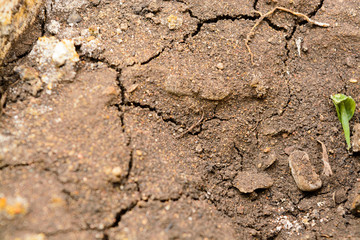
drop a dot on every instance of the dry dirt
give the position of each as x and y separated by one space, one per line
164 112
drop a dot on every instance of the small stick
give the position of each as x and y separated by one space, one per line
325 158
192 126
271 12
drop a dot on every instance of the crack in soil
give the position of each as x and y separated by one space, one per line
215 20
317 8
43 22
92 59
255 5
238 151
155 55
16 165
153 109
287 49
288 38
121 213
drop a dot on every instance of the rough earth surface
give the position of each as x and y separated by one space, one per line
164 129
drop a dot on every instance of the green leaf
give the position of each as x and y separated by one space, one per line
345 109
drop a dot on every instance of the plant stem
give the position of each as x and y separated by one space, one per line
345 124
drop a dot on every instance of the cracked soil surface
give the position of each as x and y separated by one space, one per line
166 109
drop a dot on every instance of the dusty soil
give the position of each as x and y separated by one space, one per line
166 110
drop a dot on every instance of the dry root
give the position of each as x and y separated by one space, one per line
268 14
325 158
192 126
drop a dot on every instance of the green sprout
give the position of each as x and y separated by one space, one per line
345 108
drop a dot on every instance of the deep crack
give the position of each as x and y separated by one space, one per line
255 4
274 26
157 54
121 213
153 109
131 161
317 8
18 165
214 20
287 49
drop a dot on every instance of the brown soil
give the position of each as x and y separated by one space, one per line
146 141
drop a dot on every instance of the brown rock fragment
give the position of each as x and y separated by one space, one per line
266 161
303 172
248 182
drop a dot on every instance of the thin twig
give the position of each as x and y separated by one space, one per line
192 126
271 12
325 158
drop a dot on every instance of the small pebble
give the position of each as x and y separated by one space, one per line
289 150
220 66
303 171
174 22
60 54
74 18
111 91
53 27
116 171
149 15
339 196
353 80
124 26
141 204
350 62
253 232
95 2
198 148
267 161
132 88
267 149
154 7
340 210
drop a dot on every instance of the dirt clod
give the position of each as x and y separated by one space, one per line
248 182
